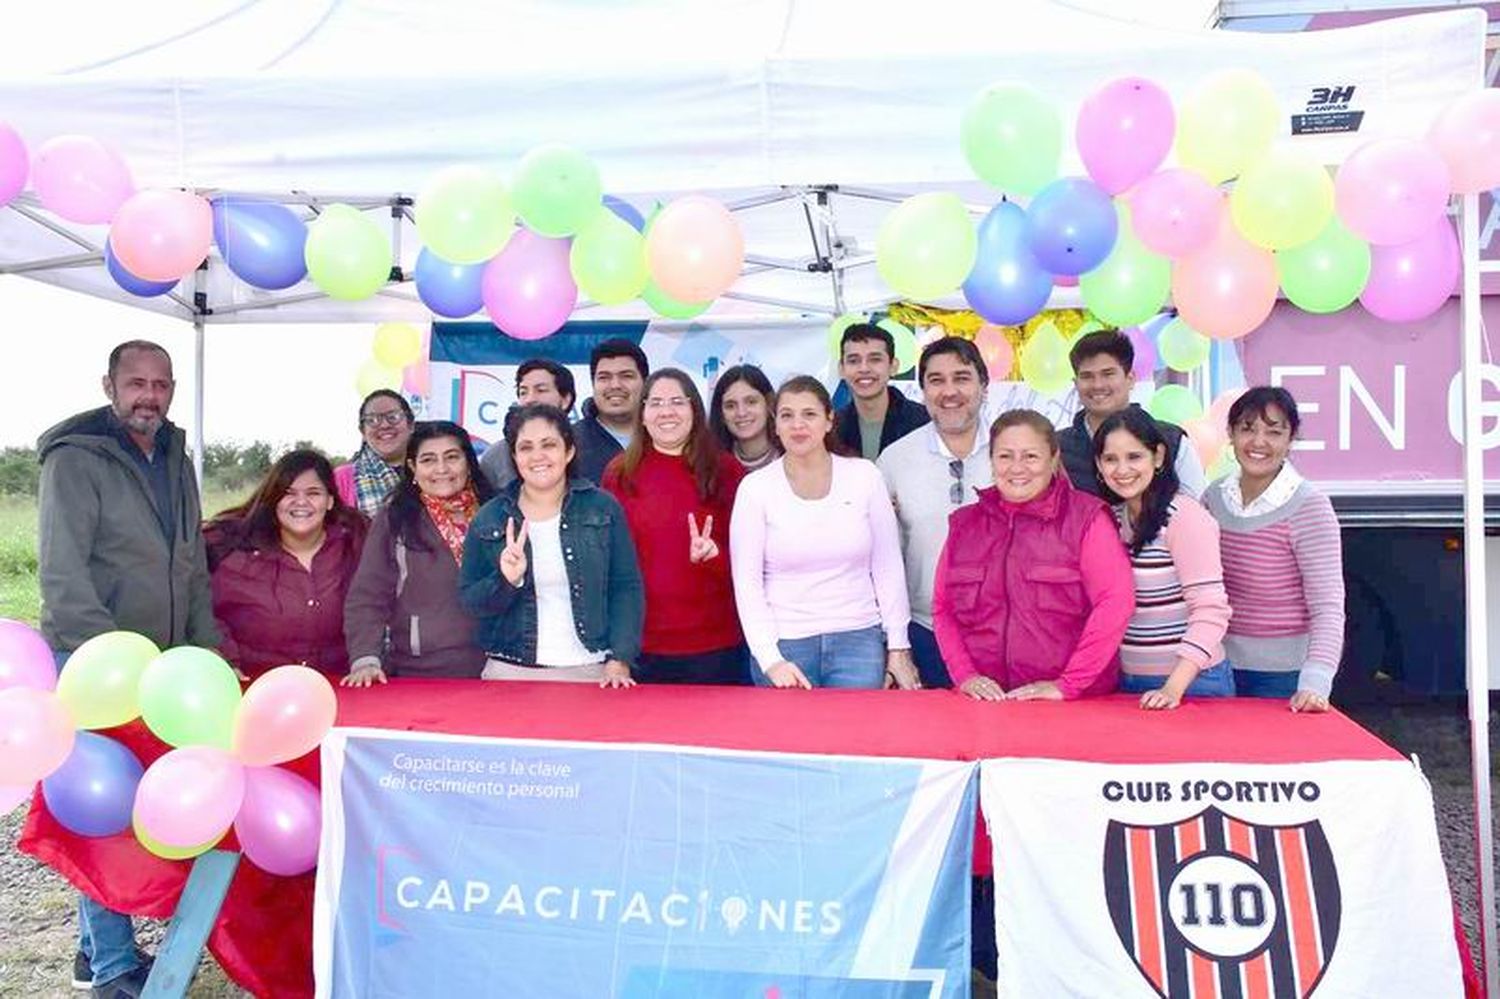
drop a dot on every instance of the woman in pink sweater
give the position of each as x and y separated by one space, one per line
816 558
1174 644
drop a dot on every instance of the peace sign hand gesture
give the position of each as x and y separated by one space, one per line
513 555
702 546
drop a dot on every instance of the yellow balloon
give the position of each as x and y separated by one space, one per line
374 375
1226 123
1282 200
1044 361
99 682
397 345
166 852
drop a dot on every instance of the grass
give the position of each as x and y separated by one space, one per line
20 595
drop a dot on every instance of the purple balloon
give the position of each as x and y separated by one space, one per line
279 821
139 287
1124 131
626 211
1143 339
15 164
528 288
261 241
1411 281
25 658
1007 286
93 792
1071 226
448 289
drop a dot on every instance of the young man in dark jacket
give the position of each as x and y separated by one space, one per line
119 549
880 415
618 369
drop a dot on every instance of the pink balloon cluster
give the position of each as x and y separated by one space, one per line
36 731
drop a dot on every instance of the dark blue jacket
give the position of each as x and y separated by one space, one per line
596 446
609 601
902 416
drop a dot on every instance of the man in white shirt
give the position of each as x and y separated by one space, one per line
933 471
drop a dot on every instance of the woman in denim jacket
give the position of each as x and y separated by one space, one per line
549 569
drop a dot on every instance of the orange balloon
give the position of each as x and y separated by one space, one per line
1226 289
695 249
1207 439
999 356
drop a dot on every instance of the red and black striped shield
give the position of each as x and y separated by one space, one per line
1213 907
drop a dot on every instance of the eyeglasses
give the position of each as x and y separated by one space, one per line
956 491
392 419
675 402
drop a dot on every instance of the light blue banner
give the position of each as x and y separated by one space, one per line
479 867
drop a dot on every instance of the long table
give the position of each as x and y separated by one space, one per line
263 934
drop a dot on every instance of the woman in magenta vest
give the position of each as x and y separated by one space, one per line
1033 589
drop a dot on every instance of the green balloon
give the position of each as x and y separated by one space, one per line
608 259
347 253
1282 200
1044 361
836 331
464 215
925 247
189 697
556 190
1327 273
1131 285
1012 137
1174 404
665 305
99 684
1181 347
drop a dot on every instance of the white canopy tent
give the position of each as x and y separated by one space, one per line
807 116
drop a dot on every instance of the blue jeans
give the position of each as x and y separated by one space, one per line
836 659
928 657
1265 683
1216 681
106 937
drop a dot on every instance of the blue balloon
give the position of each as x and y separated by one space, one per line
1071 226
136 286
626 211
1007 286
451 290
93 792
261 241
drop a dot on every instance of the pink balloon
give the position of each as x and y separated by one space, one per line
1124 131
279 821
12 795
1467 137
1144 368
81 179
162 235
1389 191
15 165
36 735
1218 410
284 714
1065 280
1176 212
528 287
25 658
1413 280
189 796
695 249
1226 289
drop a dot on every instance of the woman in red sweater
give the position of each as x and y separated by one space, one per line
677 486
281 565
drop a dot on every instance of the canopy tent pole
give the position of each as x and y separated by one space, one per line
1476 608
200 309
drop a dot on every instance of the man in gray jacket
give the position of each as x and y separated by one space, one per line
120 548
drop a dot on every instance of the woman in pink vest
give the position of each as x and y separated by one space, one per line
1033 589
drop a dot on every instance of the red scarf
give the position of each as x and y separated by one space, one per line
451 517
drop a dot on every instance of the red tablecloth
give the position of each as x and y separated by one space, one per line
263 938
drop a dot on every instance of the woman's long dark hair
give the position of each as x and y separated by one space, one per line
405 508
701 450
253 523
756 379
1156 501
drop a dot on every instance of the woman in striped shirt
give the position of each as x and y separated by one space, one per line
1283 561
1174 643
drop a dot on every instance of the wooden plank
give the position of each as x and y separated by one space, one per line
197 909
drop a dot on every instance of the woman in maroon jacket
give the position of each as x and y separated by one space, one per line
677 486
282 562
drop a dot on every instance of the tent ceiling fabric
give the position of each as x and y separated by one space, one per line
736 99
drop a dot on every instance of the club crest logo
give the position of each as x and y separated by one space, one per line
1213 907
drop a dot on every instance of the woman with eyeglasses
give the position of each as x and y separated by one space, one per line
817 559
677 486
740 416
1033 589
385 423
407 581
